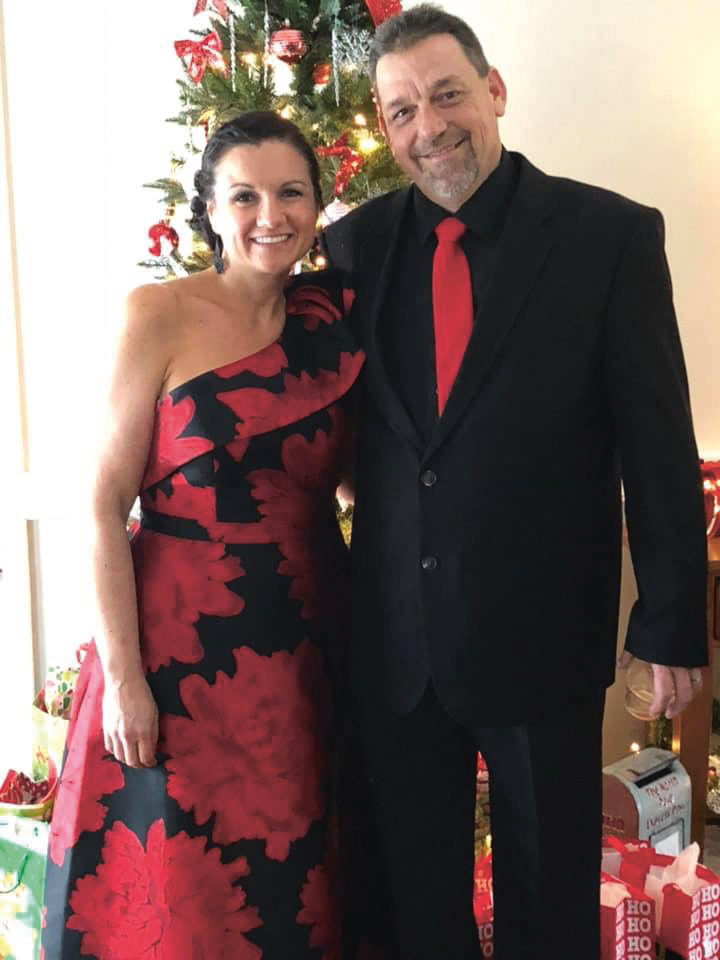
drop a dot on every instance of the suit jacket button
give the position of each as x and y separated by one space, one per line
429 563
428 478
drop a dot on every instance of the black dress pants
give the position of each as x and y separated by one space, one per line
545 808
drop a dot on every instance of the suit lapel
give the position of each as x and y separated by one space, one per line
381 263
524 244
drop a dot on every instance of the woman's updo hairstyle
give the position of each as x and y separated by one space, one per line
247 129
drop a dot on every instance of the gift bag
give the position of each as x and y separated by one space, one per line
483 903
627 921
686 894
22 797
51 715
48 739
23 849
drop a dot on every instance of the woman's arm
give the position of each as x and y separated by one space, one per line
126 426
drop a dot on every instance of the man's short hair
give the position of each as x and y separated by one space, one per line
412 26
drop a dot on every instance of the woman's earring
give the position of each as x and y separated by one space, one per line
218 261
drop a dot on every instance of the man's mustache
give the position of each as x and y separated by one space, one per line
447 139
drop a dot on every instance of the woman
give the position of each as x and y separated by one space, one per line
191 820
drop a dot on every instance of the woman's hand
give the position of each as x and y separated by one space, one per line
130 722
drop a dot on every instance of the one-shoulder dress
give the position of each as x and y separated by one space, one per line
221 851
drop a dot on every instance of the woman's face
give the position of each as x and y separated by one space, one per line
263 207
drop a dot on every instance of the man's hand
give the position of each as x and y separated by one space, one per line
674 687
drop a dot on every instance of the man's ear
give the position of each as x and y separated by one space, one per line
498 91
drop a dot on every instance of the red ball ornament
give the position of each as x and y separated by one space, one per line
321 74
288 45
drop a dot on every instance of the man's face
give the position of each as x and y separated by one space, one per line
440 117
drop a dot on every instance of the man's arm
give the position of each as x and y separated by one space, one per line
648 393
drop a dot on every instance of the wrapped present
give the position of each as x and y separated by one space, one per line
627 921
23 848
686 894
483 903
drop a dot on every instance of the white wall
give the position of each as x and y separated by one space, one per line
616 93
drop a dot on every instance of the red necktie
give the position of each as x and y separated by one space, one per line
452 305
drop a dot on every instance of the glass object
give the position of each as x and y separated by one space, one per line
639 690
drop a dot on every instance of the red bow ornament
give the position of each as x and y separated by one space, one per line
202 53
351 163
162 231
219 5
382 9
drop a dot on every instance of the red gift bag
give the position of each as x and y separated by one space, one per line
687 898
483 903
627 921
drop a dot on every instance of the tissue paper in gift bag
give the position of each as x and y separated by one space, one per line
627 921
483 903
23 846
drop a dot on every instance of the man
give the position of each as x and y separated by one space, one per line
522 356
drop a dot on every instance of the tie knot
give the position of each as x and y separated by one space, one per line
449 230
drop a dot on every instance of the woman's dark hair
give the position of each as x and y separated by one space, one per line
247 129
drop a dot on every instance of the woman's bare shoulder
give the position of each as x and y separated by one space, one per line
159 309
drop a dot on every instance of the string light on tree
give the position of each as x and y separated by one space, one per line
368 144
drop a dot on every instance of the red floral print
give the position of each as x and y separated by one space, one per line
177 582
196 503
89 774
289 501
149 904
168 449
313 304
265 363
253 749
259 411
318 910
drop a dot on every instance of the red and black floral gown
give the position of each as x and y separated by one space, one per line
220 852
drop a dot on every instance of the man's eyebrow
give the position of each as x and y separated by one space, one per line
446 81
438 85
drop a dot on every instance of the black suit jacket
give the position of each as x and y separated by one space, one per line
488 558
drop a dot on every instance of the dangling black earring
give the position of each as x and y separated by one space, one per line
218 255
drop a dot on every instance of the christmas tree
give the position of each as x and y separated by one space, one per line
305 59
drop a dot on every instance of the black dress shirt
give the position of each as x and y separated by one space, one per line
405 332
